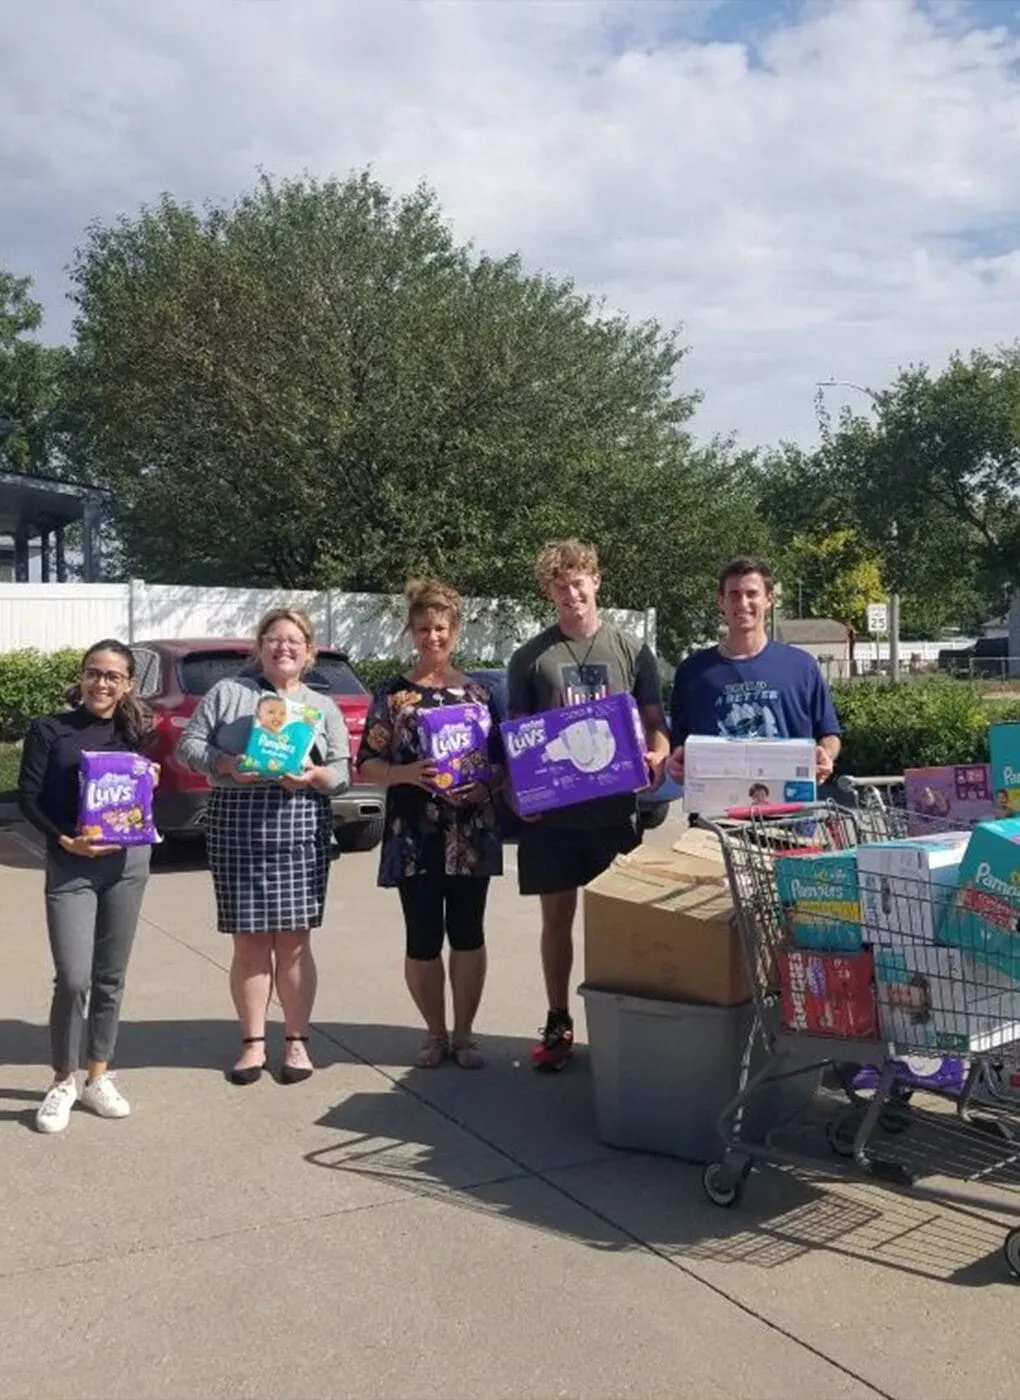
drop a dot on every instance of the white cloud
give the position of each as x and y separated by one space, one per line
838 197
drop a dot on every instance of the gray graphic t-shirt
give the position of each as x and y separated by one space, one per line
553 670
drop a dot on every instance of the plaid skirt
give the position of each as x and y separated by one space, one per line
269 856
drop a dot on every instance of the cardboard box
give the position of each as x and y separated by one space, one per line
581 752
456 738
659 923
985 918
818 895
1004 750
939 999
905 887
828 993
951 798
722 774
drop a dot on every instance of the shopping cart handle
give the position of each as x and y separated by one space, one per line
771 809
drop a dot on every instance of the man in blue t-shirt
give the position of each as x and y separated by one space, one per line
749 687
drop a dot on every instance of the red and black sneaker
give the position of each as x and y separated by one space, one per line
557 1044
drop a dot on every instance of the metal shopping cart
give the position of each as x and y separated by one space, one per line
905 994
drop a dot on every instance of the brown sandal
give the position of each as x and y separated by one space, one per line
433 1050
467 1054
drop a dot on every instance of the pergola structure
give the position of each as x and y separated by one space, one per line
41 507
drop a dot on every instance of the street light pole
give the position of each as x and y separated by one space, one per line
894 598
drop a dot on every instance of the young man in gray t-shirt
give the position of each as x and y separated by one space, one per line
579 658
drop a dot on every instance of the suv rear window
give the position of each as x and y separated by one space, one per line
200 671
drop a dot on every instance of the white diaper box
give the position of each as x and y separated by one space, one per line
905 886
722 774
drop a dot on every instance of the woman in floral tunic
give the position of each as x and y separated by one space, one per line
439 849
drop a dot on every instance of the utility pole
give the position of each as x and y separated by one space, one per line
894 598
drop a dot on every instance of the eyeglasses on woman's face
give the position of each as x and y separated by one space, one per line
284 641
96 677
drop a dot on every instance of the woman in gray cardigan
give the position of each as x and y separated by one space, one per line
269 840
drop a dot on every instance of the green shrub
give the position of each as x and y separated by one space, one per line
887 728
33 683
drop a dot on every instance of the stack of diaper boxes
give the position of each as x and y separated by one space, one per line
935 920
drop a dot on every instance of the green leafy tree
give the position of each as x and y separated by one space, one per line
30 382
318 387
834 574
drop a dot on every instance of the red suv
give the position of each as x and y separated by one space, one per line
172 676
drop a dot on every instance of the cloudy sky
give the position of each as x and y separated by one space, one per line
812 189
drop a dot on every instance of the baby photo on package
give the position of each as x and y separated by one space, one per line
115 803
282 736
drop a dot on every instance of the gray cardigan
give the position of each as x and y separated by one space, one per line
222 724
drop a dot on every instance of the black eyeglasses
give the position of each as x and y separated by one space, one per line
111 677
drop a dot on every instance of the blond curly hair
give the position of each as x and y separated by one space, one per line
560 557
429 595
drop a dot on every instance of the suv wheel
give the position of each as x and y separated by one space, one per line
360 836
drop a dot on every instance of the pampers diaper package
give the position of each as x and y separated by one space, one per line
985 918
905 887
818 895
720 773
1004 747
282 735
456 738
571 755
115 804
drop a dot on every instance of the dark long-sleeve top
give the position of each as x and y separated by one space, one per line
48 785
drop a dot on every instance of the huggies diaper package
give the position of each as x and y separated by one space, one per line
560 757
721 774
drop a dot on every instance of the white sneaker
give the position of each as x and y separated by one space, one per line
104 1098
55 1110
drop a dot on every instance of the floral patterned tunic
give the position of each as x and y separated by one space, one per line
421 827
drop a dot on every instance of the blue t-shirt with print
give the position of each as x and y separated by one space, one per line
778 694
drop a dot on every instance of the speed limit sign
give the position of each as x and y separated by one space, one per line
878 617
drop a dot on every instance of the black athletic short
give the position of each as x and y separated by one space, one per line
554 859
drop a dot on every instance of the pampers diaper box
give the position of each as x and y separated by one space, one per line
721 774
905 887
560 757
1004 748
818 895
937 999
985 918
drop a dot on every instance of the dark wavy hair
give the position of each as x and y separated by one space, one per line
132 719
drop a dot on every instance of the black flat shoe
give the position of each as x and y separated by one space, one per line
295 1074
253 1073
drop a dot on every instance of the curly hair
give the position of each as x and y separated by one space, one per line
560 557
429 595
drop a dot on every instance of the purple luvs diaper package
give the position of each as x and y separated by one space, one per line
560 757
115 805
456 739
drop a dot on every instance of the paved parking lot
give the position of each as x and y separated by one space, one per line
385 1232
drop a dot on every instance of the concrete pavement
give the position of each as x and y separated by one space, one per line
385 1232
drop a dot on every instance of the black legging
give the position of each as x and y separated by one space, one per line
437 905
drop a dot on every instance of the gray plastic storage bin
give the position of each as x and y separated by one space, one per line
663 1071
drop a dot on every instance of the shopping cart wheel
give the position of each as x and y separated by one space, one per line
842 1132
895 1117
722 1186
1011 1249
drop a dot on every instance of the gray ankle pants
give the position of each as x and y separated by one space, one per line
92 908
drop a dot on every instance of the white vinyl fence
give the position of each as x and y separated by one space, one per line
49 616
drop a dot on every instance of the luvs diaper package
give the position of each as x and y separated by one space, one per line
115 803
721 774
282 735
955 797
456 738
905 887
560 757
985 918
1004 747
818 895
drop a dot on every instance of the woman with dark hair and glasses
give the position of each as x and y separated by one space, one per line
94 890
